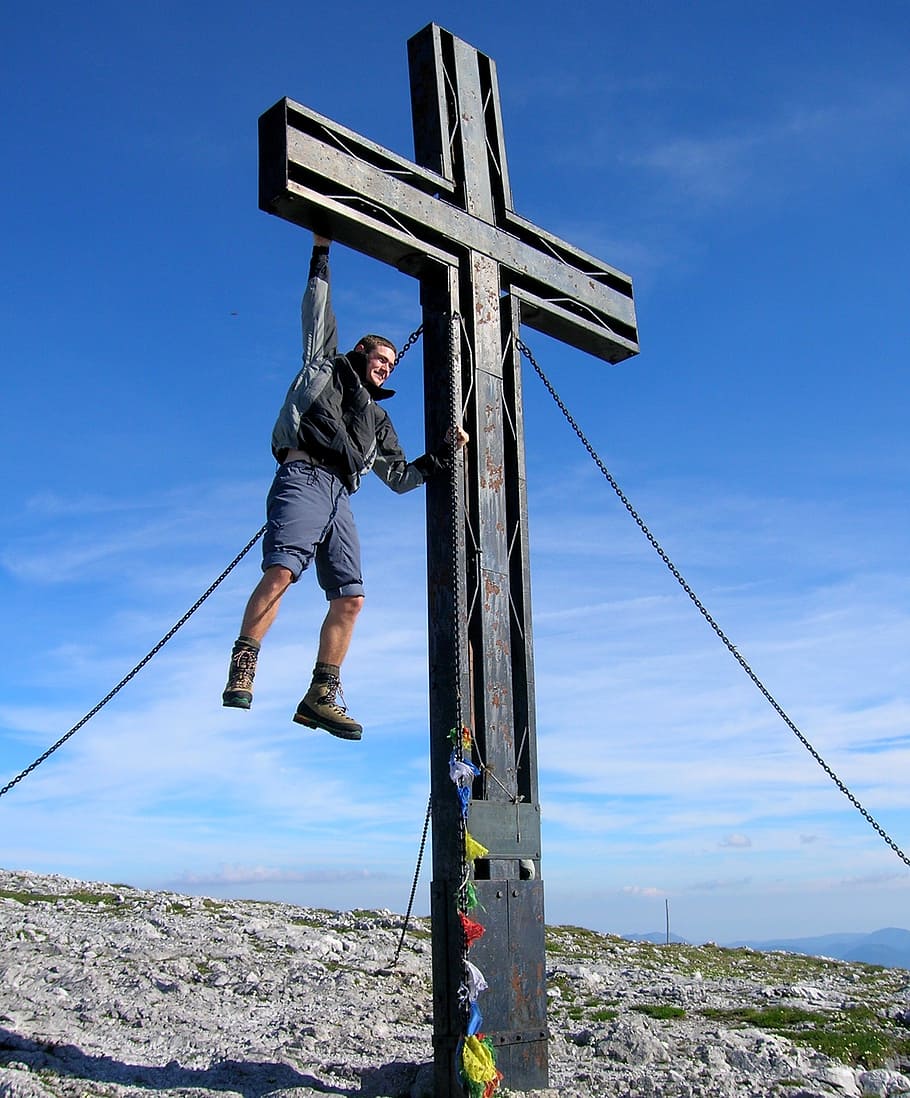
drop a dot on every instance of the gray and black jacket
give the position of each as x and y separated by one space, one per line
332 413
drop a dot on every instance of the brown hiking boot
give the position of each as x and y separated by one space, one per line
319 708
238 694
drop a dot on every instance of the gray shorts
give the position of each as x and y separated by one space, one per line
309 515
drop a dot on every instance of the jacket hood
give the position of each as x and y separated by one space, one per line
359 361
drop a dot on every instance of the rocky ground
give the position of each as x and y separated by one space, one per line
111 991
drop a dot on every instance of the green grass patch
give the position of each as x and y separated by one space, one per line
52 898
569 940
858 1036
419 934
775 1018
605 1014
568 993
660 1010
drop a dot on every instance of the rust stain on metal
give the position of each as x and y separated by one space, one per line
499 699
491 593
498 693
487 309
495 476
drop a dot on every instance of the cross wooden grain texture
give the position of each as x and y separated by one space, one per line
448 220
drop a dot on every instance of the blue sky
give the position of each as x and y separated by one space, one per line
748 166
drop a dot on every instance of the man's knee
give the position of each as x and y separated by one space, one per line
348 606
274 582
277 577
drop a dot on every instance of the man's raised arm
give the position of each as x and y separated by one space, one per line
319 330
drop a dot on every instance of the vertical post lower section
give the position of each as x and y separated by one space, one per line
512 951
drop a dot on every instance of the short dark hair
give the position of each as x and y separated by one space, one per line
371 342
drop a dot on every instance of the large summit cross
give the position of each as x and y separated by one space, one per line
448 220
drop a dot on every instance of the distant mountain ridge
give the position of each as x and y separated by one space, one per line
889 947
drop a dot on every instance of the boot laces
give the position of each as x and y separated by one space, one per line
243 667
332 692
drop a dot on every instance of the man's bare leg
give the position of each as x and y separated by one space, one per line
338 628
262 608
261 611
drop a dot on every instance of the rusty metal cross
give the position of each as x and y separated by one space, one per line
448 220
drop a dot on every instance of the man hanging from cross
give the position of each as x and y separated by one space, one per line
329 432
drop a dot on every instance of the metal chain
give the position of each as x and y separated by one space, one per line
407 914
728 644
455 418
88 716
408 344
459 639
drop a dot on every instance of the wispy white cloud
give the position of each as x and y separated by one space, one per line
767 157
657 755
642 890
736 842
122 531
721 885
261 874
897 880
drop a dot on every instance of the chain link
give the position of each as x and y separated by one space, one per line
728 644
145 659
408 344
407 914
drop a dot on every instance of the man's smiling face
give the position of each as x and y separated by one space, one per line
380 364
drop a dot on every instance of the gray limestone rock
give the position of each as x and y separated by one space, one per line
109 992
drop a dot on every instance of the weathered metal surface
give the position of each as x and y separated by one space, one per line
507 830
514 918
326 177
429 52
463 82
522 640
448 220
326 185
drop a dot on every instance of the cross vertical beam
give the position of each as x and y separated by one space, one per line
462 132
448 220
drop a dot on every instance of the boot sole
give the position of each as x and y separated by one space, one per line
236 700
341 733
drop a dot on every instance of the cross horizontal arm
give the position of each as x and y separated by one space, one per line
294 182
329 179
